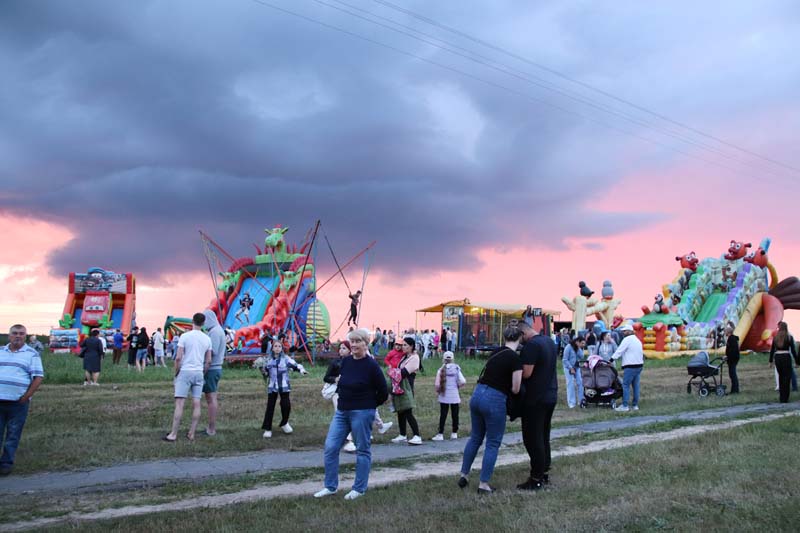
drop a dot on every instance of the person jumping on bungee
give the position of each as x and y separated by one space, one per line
244 307
354 308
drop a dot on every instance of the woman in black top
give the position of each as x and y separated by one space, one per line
501 376
335 368
92 350
732 358
142 344
781 355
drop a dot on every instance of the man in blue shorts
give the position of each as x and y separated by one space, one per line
193 360
214 373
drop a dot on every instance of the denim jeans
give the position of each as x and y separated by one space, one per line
630 378
12 420
487 408
359 423
574 386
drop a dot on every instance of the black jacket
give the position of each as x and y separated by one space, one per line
732 350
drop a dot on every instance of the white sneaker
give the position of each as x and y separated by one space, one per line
400 438
385 427
415 440
453 436
267 435
349 447
323 493
437 437
635 407
287 428
622 409
353 494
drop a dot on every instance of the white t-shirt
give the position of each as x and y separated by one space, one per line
158 342
195 344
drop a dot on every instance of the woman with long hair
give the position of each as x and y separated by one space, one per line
404 403
142 345
501 376
276 374
572 372
780 356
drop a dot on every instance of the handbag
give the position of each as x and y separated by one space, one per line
515 404
328 390
404 402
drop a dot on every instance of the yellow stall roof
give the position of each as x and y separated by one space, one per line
507 309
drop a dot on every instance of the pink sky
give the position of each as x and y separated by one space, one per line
638 261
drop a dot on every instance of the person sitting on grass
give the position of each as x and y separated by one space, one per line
362 388
276 373
191 363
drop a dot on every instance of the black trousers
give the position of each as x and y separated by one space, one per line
734 377
407 416
353 315
286 408
132 357
783 363
443 416
536 436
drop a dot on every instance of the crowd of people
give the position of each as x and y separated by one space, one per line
521 372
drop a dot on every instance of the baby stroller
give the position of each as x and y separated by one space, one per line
601 383
704 375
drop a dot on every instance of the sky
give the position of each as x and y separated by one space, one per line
499 160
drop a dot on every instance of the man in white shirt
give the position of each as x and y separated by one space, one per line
426 344
630 350
158 348
192 361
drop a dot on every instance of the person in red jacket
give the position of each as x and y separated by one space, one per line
393 359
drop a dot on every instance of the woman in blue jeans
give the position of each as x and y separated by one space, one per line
362 388
501 376
573 353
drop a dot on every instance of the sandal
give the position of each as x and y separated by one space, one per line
166 438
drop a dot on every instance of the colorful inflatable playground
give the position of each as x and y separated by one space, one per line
740 288
96 299
270 293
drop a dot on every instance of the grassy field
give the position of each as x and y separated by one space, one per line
741 479
76 427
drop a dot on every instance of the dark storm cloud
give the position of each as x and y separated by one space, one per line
135 124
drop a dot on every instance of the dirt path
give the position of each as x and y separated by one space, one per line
151 473
380 476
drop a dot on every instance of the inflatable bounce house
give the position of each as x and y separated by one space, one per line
740 288
97 299
270 293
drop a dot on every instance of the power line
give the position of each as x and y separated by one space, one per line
566 77
535 80
496 85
